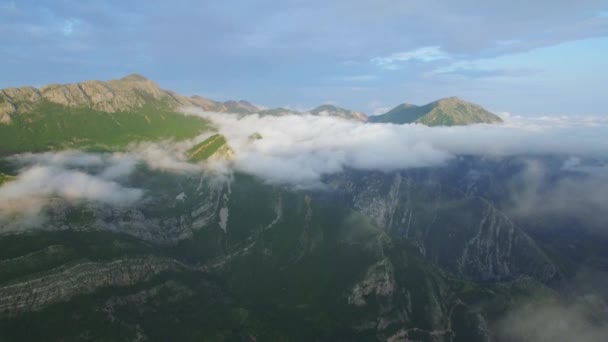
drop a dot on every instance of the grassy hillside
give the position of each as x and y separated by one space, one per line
52 126
207 148
445 112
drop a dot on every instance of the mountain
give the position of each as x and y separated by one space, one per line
422 254
323 110
238 258
93 114
331 110
240 107
278 112
445 112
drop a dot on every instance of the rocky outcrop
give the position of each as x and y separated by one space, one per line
465 235
66 282
128 93
201 204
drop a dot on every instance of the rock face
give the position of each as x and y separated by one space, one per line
124 94
467 236
445 112
127 93
65 283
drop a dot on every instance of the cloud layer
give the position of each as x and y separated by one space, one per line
301 149
76 176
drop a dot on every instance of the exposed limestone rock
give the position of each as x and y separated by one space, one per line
6 109
17 101
465 235
69 95
125 94
379 281
65 283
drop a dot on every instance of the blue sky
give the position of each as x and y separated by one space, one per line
538 57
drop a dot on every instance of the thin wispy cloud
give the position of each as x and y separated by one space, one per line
423 54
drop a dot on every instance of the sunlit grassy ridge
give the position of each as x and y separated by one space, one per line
207 148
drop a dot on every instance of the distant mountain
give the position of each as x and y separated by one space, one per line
331 110
450 111
277 112
240 107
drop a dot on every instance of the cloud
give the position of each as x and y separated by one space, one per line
76 176
423 54
558 197
34 187
300 149
554 322
355 78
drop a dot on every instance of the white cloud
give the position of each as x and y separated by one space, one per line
356 78
35 186
423 54
301 149
79 176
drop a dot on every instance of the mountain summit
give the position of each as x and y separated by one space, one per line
450 111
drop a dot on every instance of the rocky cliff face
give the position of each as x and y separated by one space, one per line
113 96
128 93
66 282
467 236
163 218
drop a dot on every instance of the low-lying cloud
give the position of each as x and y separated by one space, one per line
301 149
555 322
72 176
76 176
576 192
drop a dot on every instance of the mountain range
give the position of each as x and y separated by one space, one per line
134 91
104 237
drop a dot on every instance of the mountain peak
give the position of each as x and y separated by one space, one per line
240 107
448 111
134 78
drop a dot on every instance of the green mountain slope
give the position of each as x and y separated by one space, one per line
93 114
213 147
445 112
260 262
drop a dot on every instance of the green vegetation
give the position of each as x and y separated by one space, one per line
51 126
5 178
283 270
207 148
446 112
255 136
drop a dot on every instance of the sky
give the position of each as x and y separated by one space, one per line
541 57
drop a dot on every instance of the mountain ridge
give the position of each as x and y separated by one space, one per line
134 91
448 111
